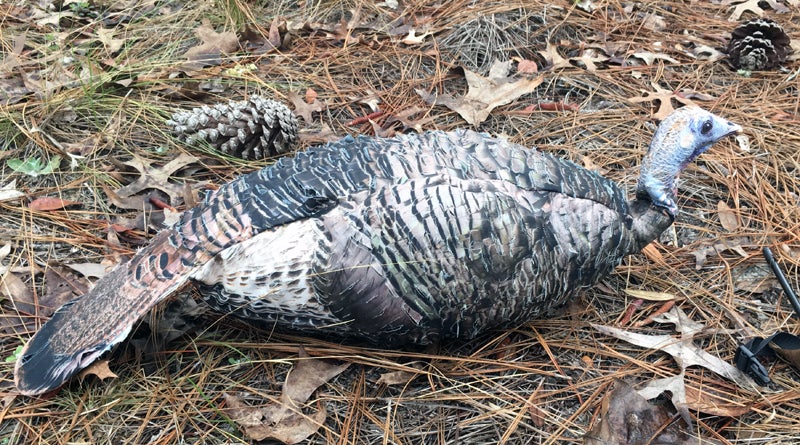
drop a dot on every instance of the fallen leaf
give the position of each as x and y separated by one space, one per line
727 217
14 288
405 118
213 47
311 96
753 278
654 22
255 42
589 59
54 18
685 353
689 398
627 418
11 58
525 66
553 58
649 57
396 378
653 254
48 203
585 5
664 97
60 286
106 37
90 270
413 39
743 141
153 177
749 6
100 369
734 244
705 52
323 135
9 191
284 419
485 93
303 108
650 296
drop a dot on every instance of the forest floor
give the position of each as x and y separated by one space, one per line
86 88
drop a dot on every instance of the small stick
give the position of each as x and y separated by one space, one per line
632 308
365 119
664 308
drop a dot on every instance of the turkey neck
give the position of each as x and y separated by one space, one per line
648 221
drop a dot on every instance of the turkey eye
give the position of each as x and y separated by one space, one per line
706 128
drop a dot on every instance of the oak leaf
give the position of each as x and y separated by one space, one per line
485 93
283 419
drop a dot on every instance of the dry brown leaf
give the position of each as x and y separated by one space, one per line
649 57
413 39
9 191
153 177
485 93
754 7
705 52
627 418
60 286
284 419
553 58
589 59
47 204
664 97
100 369
727 217
684 351
311 96
654 22
303 108
396 378
405 118
734 244
13 287
106 37
213 47
653 254
90 270
650 296
525 66
255 42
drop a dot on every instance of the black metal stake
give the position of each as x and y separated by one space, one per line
776 269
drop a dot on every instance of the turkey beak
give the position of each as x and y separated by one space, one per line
734 129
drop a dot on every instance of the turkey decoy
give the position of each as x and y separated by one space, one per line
401 240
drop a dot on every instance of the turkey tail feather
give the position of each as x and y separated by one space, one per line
81 330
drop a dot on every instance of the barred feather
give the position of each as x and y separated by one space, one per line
402 240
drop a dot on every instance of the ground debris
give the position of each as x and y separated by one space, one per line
626 418
283 419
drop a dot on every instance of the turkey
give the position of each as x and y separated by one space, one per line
402 240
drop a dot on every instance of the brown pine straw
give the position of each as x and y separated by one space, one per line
542 382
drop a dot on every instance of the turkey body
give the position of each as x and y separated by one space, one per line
429 236
402 240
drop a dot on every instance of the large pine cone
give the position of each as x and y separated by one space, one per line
758 45
250 129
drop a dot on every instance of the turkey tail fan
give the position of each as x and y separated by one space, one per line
81 330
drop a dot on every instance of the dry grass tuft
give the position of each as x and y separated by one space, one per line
98 105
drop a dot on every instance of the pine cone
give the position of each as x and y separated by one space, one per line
758 45
250 129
